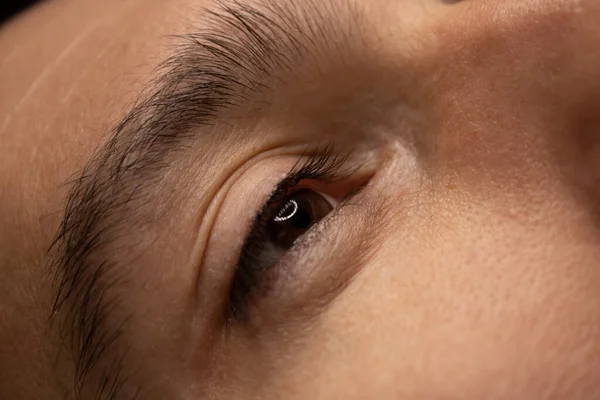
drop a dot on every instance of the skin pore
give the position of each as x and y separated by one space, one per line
460 261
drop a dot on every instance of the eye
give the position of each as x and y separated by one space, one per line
294 207
275 231
295 216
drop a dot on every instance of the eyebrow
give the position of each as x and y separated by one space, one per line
239 53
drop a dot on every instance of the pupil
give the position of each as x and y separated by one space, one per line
301 220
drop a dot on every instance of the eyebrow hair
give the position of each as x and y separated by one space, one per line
237 55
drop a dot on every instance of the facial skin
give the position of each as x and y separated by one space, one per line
466 266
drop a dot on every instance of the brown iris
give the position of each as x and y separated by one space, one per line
296 215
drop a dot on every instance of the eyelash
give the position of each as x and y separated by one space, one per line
326 166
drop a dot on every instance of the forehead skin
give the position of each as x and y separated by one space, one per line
511 91
68 70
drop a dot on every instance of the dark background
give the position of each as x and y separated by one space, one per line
8 8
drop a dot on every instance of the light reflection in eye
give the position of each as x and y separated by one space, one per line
291 203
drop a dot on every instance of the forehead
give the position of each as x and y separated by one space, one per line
68 70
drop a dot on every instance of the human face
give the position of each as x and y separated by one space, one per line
301 200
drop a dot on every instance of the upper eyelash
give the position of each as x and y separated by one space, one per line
324 165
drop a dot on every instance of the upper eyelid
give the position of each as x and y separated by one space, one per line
324 164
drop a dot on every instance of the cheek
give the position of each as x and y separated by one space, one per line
494 308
